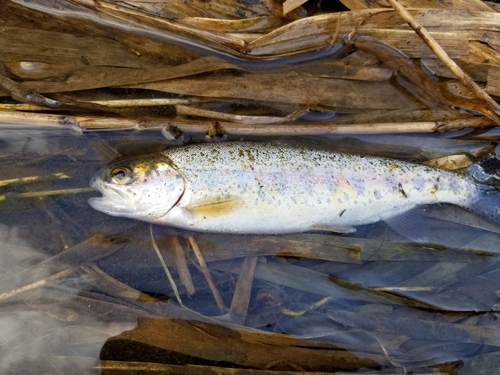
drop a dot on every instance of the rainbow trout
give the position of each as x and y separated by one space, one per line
244 187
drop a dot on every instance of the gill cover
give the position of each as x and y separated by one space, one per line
138 189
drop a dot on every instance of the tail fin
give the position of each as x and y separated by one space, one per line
486 171
486 174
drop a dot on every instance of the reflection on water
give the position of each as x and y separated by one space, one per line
83 292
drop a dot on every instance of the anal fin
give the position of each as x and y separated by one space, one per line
412 224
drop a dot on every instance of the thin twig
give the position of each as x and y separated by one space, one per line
467 81
36 194
240 119
24 95
206 272
23 107
113 286
164 265
36 284
27 179
350 36
120 103
337 31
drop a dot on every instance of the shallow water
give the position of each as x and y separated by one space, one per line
83 292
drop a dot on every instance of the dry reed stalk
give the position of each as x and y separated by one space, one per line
28 179
79 123
114 286
240 119
36 284
165 268
45 193
206 272
243 291
18 92
182 266
468 82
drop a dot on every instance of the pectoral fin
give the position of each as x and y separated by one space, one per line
334 228
216 207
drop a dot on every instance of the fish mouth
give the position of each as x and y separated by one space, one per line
113 202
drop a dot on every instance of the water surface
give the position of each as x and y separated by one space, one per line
83 292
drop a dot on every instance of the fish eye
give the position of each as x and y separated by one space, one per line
121 175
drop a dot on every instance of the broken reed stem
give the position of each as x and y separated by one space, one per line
114 286
243 291
450 64
23 107
79 123
182 266
18 92
22 180
337 31
164 265
37 194
206 272
321 129
36 284
240 119
118 103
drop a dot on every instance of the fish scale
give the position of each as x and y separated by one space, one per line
249 187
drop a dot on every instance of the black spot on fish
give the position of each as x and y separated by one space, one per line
340 215
250 156
402 191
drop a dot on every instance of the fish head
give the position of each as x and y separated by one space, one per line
144 188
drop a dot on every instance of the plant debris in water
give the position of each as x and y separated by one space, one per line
85 293
258 68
